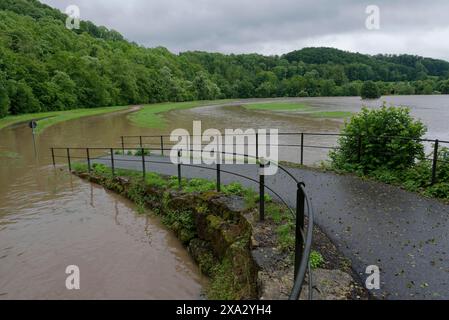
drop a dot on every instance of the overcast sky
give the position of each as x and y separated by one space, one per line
274 26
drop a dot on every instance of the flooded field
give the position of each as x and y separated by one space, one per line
432 110
49 219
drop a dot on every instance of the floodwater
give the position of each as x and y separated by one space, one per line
433 111
50 219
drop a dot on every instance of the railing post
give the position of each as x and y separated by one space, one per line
140 142
53 157
179 169
261 192
88 160
257 146
435 162
68 159
302 148
112 163
143 163
123 145
299 241
218 177
359 148
162 145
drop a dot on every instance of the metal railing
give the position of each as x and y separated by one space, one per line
305 143
303 236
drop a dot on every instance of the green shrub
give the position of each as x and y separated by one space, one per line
316 259
101 169
146 152
370 90
381 134
438 190
155 180
233 188
385 175
79 167
199 185
182 223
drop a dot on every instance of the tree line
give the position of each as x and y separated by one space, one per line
46 67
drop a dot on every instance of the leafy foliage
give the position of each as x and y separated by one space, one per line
370 90
387 157
382 138
46 67
316 259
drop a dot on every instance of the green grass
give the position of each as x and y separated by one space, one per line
150 115
277 106
49 119
331 114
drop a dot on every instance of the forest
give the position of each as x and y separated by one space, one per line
46 67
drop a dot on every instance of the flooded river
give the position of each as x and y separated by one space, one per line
49 219
433 111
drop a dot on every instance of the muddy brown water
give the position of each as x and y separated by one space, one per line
49 219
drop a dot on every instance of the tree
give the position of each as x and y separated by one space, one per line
205 88
22 99
4 102
370 90
380 138
45 66
444 87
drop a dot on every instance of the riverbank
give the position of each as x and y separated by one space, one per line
48 119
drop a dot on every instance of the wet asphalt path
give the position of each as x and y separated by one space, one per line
404 234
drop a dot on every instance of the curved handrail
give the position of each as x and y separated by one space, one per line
297 286
304 252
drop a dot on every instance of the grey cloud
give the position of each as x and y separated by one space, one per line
273 27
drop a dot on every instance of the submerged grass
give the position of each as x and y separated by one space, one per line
297 106
9 154
51 118
277 106
331 114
